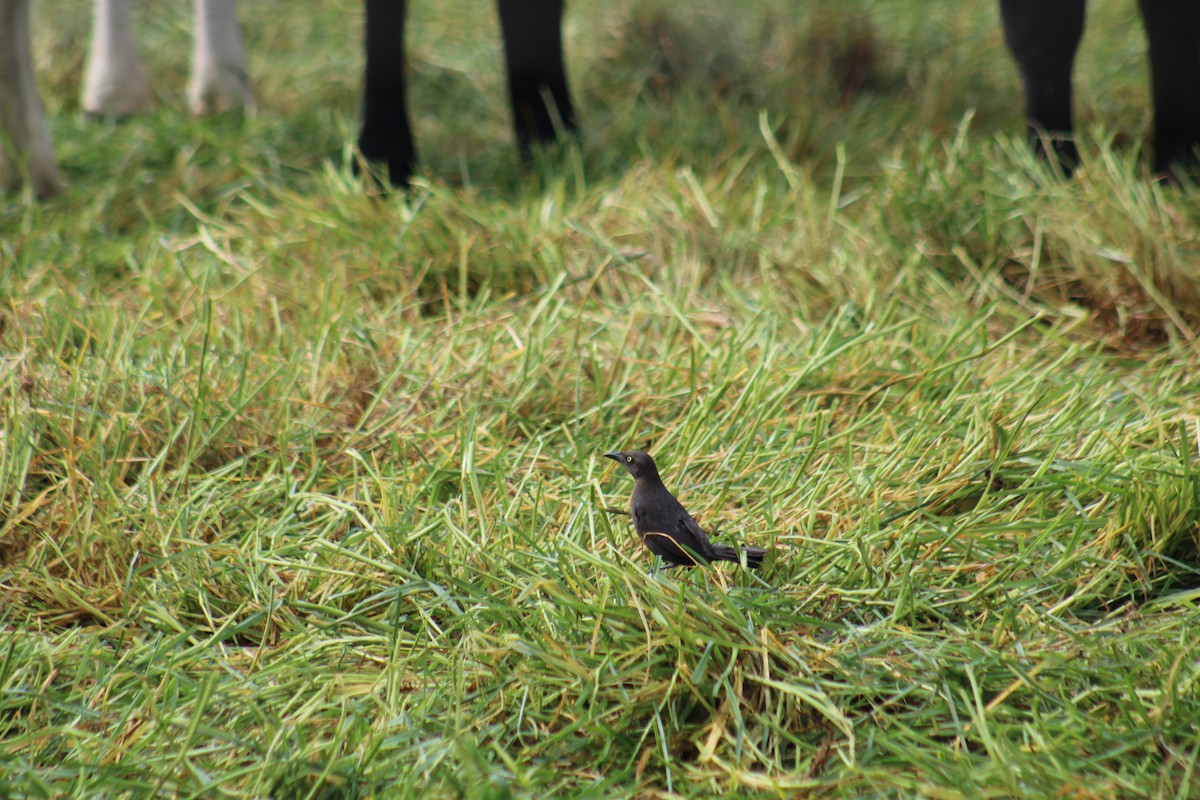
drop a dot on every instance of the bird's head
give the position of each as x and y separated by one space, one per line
638 463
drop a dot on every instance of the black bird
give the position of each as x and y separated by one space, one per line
665 525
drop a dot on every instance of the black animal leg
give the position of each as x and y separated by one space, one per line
537 79
1173 30
386 135
1043 36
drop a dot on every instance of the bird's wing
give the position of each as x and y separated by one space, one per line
691 535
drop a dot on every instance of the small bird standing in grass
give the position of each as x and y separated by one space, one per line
665 526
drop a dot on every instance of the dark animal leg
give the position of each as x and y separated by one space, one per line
386 135
537 79
1043 36
1173 28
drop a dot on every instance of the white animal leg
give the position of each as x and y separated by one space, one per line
219 81
24 138
115 84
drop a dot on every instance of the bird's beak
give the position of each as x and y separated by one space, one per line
614 456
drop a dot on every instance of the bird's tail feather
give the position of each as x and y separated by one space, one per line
724 552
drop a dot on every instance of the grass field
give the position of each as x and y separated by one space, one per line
302 486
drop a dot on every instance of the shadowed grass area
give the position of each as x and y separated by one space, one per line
302 487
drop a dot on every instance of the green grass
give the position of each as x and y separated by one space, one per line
302 486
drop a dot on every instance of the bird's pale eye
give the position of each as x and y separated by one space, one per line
628 459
